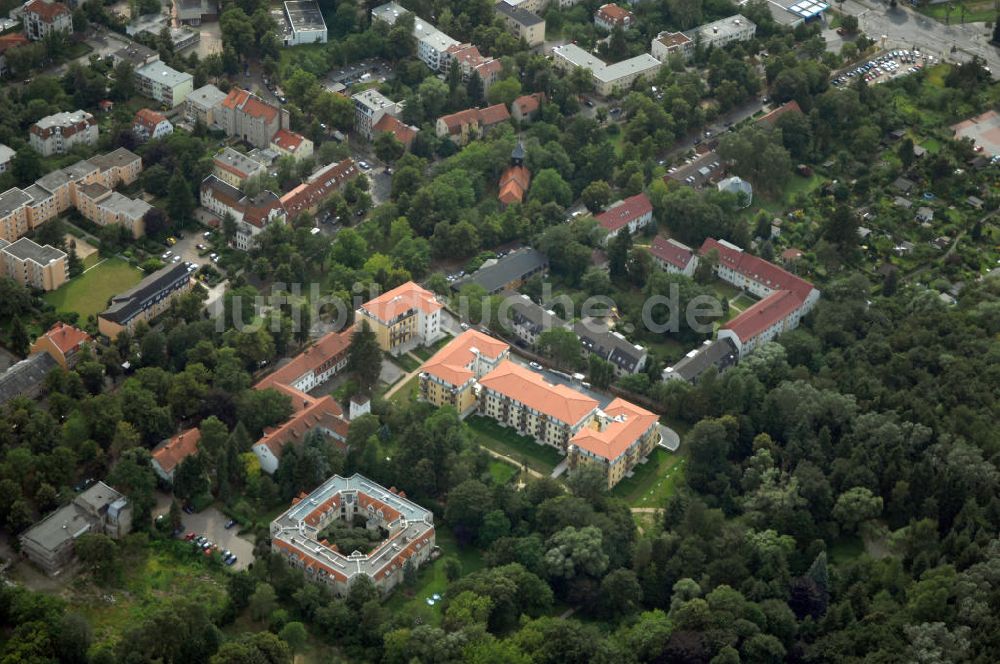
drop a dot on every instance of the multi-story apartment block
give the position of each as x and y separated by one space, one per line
149 124
32 265
370 106
432 44
608 79
63 342
716 34
164 84
785 297
615 440
104 206
43 205
235 168
522 23
403 318
203 104
307 196
611 16
470 60
14 221
252 214
519 398
408 529
630 215
119 167
247 116
303 23
146 300
450 377
673 256
58 133
42 18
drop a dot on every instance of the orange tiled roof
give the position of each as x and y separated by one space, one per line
323 412
287 140
529 388
403 133
176 449
628 423
255 107
320 185
47 11
235 98
12 41
528 104
451 363
514 183
148 118
612 13
391 304
66 337
327 347
494 114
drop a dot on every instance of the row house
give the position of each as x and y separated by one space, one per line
308 196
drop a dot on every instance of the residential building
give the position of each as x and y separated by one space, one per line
58 133
608 79
611 16
203 104
618 437
404 133
318 187
710 35
770 119
370 106
631 214
135 54
506 273
235 168
297 535
526 107
63 342
98 510
119 167
9 43
450 377
104 206
149 124
64 183
194 12
42 18
515 179
146 300
164 84
597 338
42 206
525 319
534 6
315 365
14 221
250 118
471 123
468 58
403 318
305 24
519 398
291 144
522 23
720 354
169 454
785 297
252 214
26 378
673 256
432 44
32 265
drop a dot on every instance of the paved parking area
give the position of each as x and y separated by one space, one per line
210 522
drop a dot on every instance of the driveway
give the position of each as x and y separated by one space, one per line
210 522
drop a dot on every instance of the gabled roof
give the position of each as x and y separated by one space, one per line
148 118
451 363
404 298
321 413
320 185
287 140
326 347
757 269
622 213
771 119
671 251
529 388
172 451
403 132
625 423
494 114
12 41
65 337
514 183
47 11
528 104
763 314
455 121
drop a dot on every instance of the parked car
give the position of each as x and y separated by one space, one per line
229 524
231 560
535 365
188 509
190 536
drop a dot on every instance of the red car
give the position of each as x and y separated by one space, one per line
190 536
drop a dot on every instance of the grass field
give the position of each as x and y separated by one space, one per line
427 352
742 301
983 10
88 294
653 481
502 472
407 363
406 392
431 579
505 441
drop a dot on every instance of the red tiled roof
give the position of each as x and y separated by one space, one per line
324 412
494 114
66 337
176 449
327 348
528 104
235 98
488 68
763 314
771 118
628 424
47 11
12 41
148 118
791 254
450 364
612 13
514 183
671 251
403 133
529 388
757 269
455 121
630 209
320 185
287 140
257 108
401 299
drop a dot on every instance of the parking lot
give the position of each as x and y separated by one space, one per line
886 67
210 522
359 72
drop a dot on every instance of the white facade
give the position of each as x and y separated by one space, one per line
58 133
608 79
164 84
711 35
432 44
6 155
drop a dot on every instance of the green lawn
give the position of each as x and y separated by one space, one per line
983 10
407 363
932 145
88 294
541 458
431 579
502 472
408 390
427 352
652 482
742 301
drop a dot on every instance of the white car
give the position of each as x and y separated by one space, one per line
535 365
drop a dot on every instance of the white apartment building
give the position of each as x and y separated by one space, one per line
369 107
716 34
58 133
164 84
432 44
608 79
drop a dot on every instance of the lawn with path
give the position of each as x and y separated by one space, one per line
427 352
88 294
504 440
653 482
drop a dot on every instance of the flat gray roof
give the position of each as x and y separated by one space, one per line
305 16
25 376
73 520
389 12
157 71
37 193
12 199
63 119
235 159
522 16
207 96
724 27
25 249
602 71
120 157
133 208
